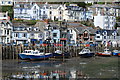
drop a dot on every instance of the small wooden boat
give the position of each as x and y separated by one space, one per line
34 55
115 52
86 53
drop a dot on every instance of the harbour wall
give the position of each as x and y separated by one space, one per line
11 52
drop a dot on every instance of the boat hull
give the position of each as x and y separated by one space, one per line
115 53
61 55
23 56
41 57
104 54
119 54
87 55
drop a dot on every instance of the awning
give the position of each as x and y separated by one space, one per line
33 39
63 38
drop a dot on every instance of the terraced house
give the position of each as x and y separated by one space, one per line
23 33
5 31
6 2
5 28
59 12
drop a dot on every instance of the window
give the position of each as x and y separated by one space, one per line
2 2
7 32
104 37
60 17
9 2
43 12
105 33
114 37
50 7
97 32
24 35
71 30
4 15
71 36
7 39
50 12
85 34
54 34
60 12
40 35
35 7
59 8
98 36
32 34
16 35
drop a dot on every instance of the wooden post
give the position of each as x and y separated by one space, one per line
3 55
1 51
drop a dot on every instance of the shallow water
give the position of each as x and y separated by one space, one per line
95 67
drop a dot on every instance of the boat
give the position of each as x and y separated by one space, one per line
86 53
99 53
25 53
59 53
119 54
106 52
115 52
34 55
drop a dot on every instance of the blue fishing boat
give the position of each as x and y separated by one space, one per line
25 53
86 53
34 55
115 52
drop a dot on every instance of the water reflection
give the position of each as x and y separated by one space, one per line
41 63
57 75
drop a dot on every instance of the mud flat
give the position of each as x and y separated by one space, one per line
95 67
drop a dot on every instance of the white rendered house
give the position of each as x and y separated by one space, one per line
104 21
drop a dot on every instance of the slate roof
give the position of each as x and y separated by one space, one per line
80 30
74 8
105 5
21 5
55 26
28 5
5 22
20 24
54 6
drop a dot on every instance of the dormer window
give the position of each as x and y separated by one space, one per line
4 15
59 8
97 32
114 33
104 33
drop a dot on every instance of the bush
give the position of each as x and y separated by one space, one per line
9 9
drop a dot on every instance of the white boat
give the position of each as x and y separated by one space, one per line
106 52
86 53
34 55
